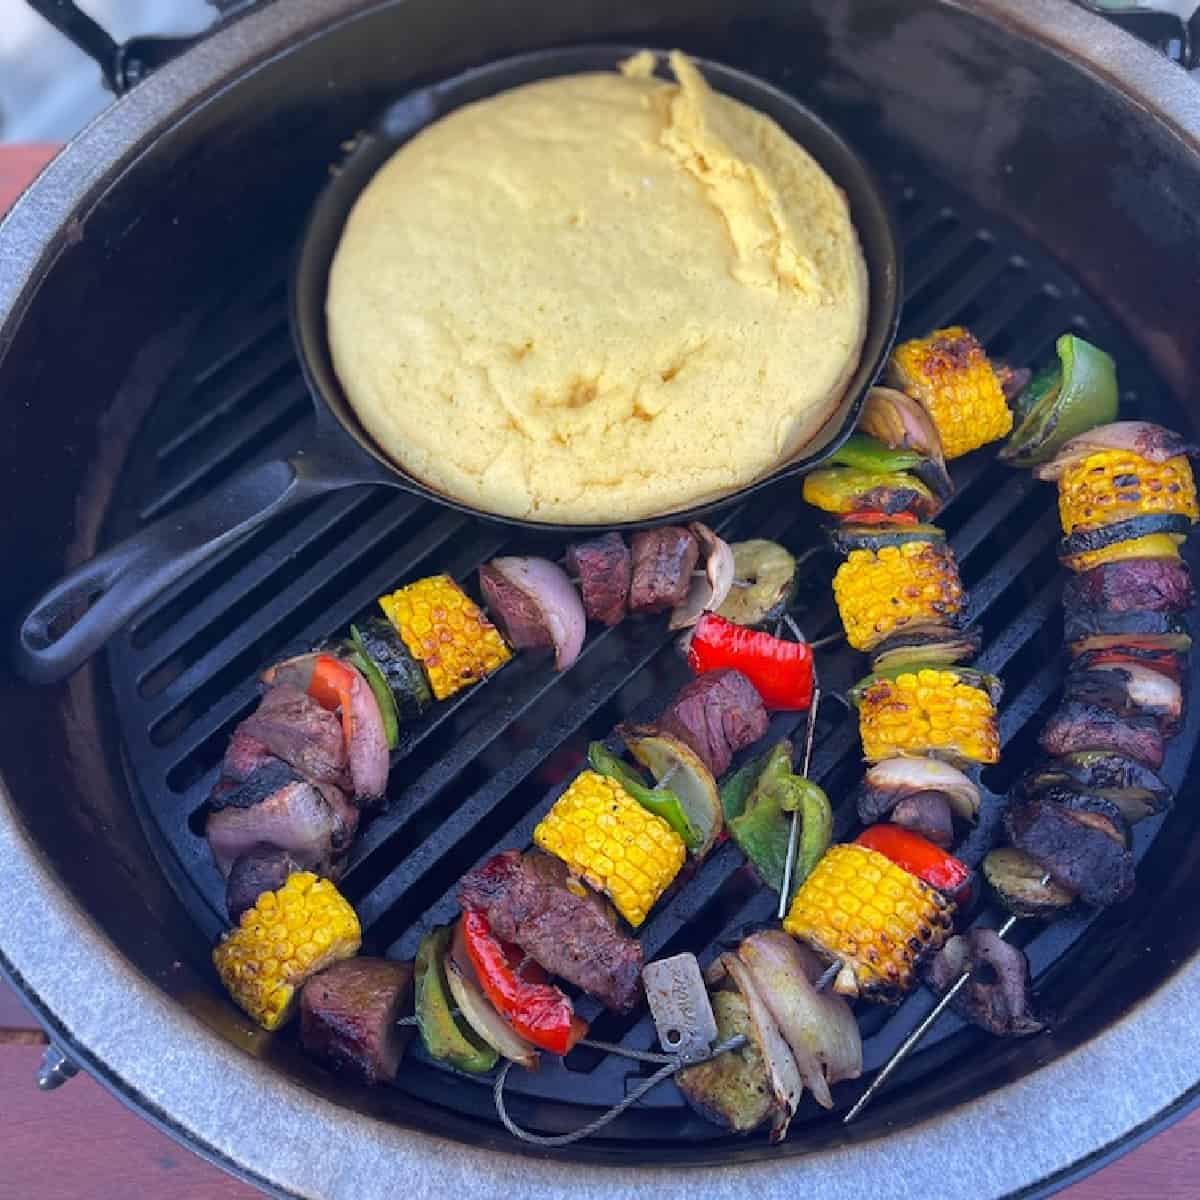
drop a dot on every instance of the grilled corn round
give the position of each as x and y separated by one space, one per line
1116 485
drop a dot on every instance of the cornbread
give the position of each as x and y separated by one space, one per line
597 297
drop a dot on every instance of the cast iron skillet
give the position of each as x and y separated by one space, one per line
114 585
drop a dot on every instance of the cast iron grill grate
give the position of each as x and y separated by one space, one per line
478 771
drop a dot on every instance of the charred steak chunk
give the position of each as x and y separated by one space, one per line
262 869
295 728
1081 726
662 563
717 714
348 1016
527 900
249 774
604 568
515 611
1132 585
996 997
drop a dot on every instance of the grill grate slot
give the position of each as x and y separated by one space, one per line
477 772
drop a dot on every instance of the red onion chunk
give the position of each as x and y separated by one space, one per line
368 748
707 591
1152 442
549 599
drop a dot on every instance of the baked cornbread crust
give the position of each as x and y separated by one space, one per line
597 298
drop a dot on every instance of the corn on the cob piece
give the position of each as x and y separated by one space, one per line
878 919
949 373
608 838
881 591
287 937
928 711
1152 545
446 631
1116 485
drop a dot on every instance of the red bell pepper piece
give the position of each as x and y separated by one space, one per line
874 516
1165 662
782 672
921 858
538 1011
331 686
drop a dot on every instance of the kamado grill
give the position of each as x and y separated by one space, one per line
1044 172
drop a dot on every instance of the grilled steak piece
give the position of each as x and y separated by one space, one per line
1130 691
1083 857
297 818
262 869
662 564
717 714
526 899
348 1016
1133 585
1081 726
295 728
249 774
519 617
604 568
998 999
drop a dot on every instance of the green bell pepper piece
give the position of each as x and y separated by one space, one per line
379 689
1062 402
444 1038
866 454
761 829
660 801
736 789
800 795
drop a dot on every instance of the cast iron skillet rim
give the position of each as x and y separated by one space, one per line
31 235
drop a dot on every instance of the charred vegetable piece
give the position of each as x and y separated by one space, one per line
920 857
1162 585
1135 789
311 920
403 674
1063 401
902 423
781 671
536 606
1017 879
338 687
1153 648
605 836
1076 855
864 453
1130 691
760 827
537 1011
737 787
1147 441
764 583
928 815
263 869
880 920
879 593
800 795
445 631
996 997
889 782
844 490
349 1014
732 1089
717 714
1076 547
660 801
1116 485
877 517
1149 546
928 645
1081 623
709 587
663 560
927 711
532 899
672 761
819 1028
603 567
950 374
1078 726
989 684
445 1038
847 537
365 665
1170 663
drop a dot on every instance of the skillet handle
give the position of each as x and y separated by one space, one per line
126 577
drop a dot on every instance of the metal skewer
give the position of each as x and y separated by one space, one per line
789 865
909 1044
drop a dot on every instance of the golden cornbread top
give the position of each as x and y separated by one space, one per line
597 297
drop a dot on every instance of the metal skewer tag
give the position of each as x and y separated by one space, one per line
680 1006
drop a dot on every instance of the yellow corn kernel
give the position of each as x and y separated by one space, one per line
604 835
1116 485
928 712
860 907
287 937
446 631
950 374
881 591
